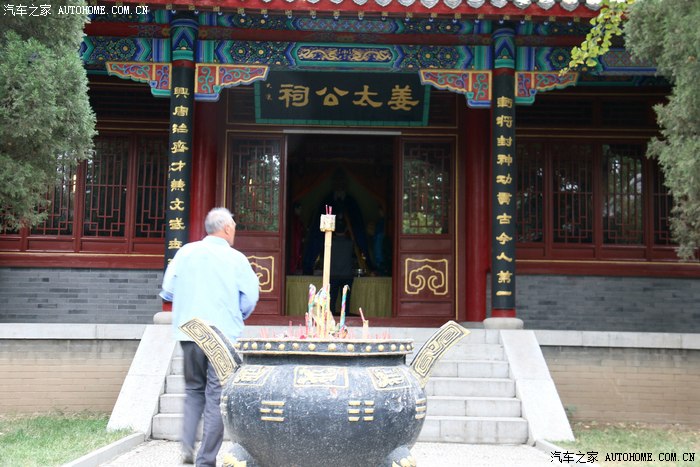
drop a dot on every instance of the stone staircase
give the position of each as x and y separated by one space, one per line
471 398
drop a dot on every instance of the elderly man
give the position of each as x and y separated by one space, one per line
212 281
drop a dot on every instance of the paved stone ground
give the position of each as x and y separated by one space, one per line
159 453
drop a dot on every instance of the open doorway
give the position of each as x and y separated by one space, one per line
354 175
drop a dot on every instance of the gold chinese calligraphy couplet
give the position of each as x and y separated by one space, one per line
504 177
184 33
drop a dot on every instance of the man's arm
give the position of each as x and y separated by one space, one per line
168 287
249 289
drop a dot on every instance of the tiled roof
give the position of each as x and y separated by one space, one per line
568 5
532 8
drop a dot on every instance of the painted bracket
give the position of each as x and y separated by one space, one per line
210 79
475 85
156 75
529 83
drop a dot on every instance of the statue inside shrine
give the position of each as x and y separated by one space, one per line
348 214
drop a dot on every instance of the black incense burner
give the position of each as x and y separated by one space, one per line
322 402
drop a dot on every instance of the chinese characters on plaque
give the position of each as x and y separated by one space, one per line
342 98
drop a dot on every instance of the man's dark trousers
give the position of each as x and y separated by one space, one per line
202 396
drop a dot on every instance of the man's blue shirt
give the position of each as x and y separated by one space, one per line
212 281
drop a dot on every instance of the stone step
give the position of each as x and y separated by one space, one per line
458 353
446 429
172 403
471 369
474 430
470 387
175 384
465 346
446 366
470 396
474 406
466 351
177 366
418 335
437 386
437 405
481 336
169 426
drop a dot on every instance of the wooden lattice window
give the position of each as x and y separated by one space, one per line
61 198
622 194
662 205
106 188
530 197
426 187
113 203
256 183
150 187
589 199
572 193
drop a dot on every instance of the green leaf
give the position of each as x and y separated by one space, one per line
41 119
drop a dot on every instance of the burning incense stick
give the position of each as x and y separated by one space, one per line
365 325
342 306
312 295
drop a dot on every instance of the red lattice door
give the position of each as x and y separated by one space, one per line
255 184
424 285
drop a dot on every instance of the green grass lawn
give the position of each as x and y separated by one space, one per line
667 444
53 439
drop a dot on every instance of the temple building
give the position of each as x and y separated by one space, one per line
472 178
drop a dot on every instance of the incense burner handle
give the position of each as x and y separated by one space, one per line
444 338
217 347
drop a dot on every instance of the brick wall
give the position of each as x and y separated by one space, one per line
642 304
44 295
43 375
652 385
40 295
600 376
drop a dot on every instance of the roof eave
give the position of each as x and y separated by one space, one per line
485 9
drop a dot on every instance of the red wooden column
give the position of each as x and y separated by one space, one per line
476 173
204 162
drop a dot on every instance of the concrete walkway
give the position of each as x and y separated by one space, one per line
158 453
